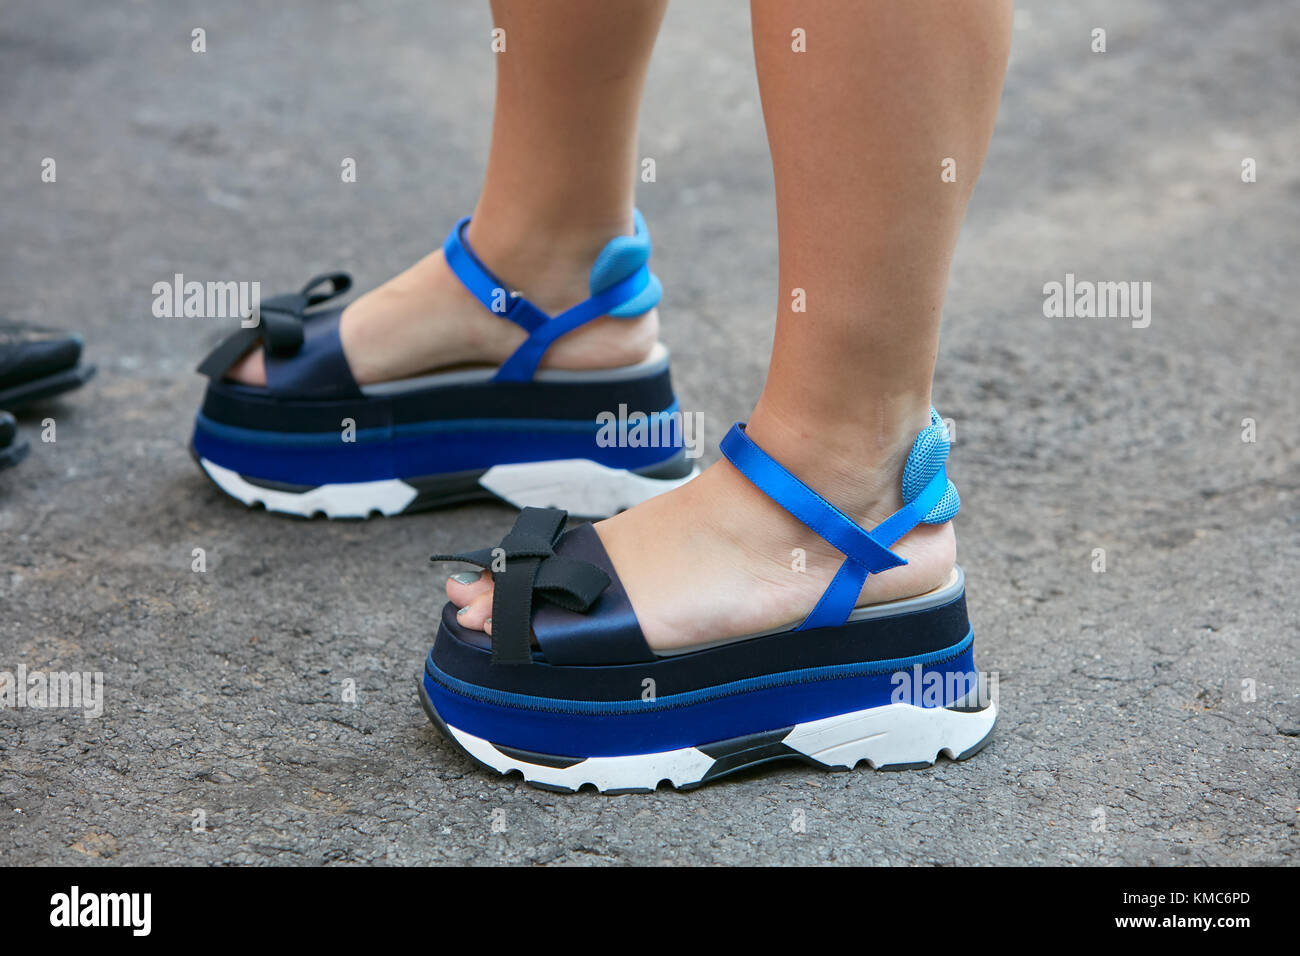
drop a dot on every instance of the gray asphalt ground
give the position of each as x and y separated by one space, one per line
1149 712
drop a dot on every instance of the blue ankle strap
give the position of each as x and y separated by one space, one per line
621 285
930 496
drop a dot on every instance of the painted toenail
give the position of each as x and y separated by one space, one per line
466 577
462 610
487 622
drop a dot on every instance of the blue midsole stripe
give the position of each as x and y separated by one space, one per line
670 701
255 436
758 709
422 449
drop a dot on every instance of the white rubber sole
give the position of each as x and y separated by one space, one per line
891 737
352 500
583 488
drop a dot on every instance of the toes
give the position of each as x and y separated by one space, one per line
476 613
466 586
250 370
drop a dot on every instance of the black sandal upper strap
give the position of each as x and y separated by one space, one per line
524 568
279 328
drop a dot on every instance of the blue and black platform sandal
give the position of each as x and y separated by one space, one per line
313 441
567 692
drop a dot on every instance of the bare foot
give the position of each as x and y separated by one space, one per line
424 319
717 558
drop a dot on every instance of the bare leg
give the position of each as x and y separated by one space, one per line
559 185
859 126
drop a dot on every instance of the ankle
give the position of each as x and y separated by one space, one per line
547 261
857 466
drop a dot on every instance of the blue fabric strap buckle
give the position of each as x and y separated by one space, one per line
542 329
865 552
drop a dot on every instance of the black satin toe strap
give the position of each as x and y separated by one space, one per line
280 325
526 568
608 632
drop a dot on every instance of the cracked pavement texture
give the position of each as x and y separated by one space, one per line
1128 732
